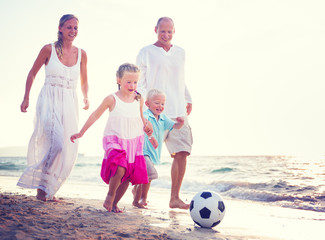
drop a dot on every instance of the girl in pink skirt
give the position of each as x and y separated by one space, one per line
123 136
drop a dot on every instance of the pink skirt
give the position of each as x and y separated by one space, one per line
136 172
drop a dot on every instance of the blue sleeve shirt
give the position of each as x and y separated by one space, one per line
163 124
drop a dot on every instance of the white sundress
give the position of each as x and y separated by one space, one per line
51 155
123 143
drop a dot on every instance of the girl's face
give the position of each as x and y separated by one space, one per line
69 29
156 104
129 82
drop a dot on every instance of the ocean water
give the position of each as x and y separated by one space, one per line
286 181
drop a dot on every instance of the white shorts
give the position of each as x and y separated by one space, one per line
179 140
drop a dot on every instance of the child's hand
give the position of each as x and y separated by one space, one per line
154 142
180 120
75 136
148 128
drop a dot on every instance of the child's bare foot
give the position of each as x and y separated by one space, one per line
108 204
178 203
41 195
143 202
115 209
138 204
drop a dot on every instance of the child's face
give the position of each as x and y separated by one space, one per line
156 104
128 82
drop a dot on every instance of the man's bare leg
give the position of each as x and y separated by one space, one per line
177 175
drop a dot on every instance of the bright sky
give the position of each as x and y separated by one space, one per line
255 68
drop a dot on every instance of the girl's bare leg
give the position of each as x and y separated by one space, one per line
119 194
114 184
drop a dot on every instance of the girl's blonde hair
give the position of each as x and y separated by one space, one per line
154 92
128 67
59 42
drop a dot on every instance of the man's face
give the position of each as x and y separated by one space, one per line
165 32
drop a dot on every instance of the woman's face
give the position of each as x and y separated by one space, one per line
69 29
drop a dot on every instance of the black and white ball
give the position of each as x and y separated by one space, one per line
207 209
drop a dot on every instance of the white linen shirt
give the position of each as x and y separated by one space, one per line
164 71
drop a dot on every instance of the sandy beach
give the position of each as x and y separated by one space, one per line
75 217
23 217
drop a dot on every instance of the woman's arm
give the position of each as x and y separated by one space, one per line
42 58
84 79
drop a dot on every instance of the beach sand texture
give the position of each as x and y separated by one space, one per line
24 217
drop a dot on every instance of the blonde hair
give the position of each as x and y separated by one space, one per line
154 92
59 42
128 67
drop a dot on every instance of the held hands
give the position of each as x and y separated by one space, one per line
153 141
75 136
148 128
180 121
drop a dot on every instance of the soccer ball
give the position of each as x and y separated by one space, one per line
207 209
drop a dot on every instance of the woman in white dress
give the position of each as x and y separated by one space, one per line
51 155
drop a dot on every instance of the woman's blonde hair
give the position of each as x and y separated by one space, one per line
59 42
128 67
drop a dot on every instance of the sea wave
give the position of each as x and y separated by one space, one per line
222 170
307 198
281 181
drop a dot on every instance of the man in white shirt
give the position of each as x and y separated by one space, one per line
162 68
